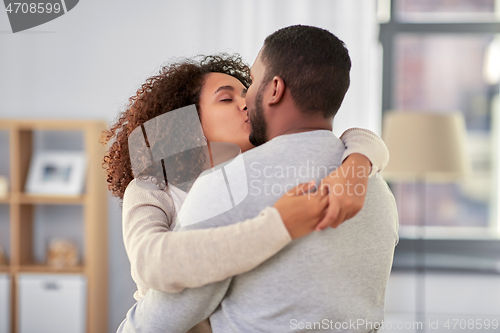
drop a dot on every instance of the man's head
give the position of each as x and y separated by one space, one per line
309 64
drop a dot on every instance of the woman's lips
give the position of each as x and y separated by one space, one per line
246 124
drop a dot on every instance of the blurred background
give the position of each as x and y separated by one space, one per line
429 56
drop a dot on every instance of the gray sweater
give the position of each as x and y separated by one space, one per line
332 280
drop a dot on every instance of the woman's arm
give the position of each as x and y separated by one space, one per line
368 144
171 261
365 155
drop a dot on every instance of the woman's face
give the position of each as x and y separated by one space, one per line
223 110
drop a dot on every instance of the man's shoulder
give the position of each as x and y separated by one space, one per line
380 208
216 193
379 192
293 148
216 196
302 138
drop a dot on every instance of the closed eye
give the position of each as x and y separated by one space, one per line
226 100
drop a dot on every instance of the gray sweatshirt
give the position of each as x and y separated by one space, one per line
328 281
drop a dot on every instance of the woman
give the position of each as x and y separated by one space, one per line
173 261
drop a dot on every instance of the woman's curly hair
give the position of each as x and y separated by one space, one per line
176 85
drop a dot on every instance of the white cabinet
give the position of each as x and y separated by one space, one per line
4 303
52 303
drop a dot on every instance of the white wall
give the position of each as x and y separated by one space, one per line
86 64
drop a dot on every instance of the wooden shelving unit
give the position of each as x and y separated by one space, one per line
94 202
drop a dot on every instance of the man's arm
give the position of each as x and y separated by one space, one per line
163 312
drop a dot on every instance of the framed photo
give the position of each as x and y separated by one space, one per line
57 172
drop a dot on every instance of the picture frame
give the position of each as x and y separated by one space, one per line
57 173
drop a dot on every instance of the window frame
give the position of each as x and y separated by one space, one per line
392 28
432 249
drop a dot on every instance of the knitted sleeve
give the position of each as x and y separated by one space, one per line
367 143
172 261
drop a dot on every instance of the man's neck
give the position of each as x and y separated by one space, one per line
307 129
303 124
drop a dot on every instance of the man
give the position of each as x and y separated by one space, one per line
327 281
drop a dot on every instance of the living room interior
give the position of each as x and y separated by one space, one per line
425 77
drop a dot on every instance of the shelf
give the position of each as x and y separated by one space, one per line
46 124
25 198
22 208
49 269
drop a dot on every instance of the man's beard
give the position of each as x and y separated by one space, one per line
258 134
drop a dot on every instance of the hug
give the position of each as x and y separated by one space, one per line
209 255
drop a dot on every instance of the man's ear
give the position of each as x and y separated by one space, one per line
278 89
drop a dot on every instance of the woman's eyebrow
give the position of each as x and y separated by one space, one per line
230 88
244 92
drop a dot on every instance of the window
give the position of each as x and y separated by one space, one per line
444 56
447 11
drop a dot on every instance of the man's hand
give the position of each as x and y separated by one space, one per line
346 189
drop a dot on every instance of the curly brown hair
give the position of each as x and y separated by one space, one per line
177 85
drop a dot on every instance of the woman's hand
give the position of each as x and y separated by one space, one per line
301 210
346 188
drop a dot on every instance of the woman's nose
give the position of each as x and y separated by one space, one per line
243 105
